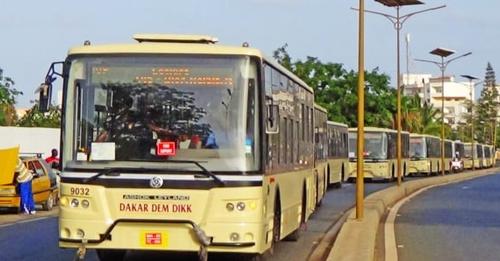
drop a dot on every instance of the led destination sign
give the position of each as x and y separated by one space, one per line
178 76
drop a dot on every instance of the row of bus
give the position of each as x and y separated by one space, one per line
207 148
421 154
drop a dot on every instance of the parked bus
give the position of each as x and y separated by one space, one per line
469 154
338 155
448 155
380 153
320 151
487 156
480 155
180 144
423 156
458 156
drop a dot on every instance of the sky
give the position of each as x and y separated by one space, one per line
36 33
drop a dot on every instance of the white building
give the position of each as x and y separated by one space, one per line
430 90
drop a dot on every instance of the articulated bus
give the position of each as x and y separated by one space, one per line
480 155
176 143
338 155
424 154
380 153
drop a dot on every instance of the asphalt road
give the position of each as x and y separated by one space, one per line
25 238
459 221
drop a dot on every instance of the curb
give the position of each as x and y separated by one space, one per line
356 239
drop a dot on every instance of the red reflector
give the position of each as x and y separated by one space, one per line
271 180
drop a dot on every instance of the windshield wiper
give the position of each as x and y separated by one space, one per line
107 172
116 171
205 171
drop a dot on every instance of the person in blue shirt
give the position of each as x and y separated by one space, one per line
211 142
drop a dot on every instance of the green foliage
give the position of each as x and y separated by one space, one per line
35 118
487 108
8 96
336 90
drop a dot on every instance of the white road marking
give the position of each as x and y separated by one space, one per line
391 248
23 221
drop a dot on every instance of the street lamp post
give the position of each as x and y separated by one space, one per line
471 78
398 22
360 186
443 53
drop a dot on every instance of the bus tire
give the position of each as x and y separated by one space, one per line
318 199
295 235
111 254
276 221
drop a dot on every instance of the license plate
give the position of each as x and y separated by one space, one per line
154 239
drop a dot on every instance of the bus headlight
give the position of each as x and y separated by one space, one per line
240 206
74 203
234 237
85 203
80 233
230 206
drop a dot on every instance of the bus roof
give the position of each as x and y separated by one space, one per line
337 123
377 129
418 135
179 44
320 108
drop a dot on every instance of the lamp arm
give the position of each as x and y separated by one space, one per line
406 16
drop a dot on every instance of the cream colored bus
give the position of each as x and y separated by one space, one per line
380 155
423 156
176 143
338 158
448 155
488 157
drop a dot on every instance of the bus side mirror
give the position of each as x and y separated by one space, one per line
272 121
45 91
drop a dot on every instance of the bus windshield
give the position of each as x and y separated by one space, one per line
135 111
375 145
417 148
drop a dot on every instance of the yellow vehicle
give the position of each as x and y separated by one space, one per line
487 152
176 143
424 154
448 155
338 158
44 182
469 155
380 155
320 151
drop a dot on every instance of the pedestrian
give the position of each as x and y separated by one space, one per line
24 178
53 160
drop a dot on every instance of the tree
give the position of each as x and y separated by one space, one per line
336 90
487 108
35 118
8 96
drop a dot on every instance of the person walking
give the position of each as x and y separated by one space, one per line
24 178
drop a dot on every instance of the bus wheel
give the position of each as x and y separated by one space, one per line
111 254
318 199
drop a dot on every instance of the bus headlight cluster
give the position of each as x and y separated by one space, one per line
74 203
241 206
234 237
